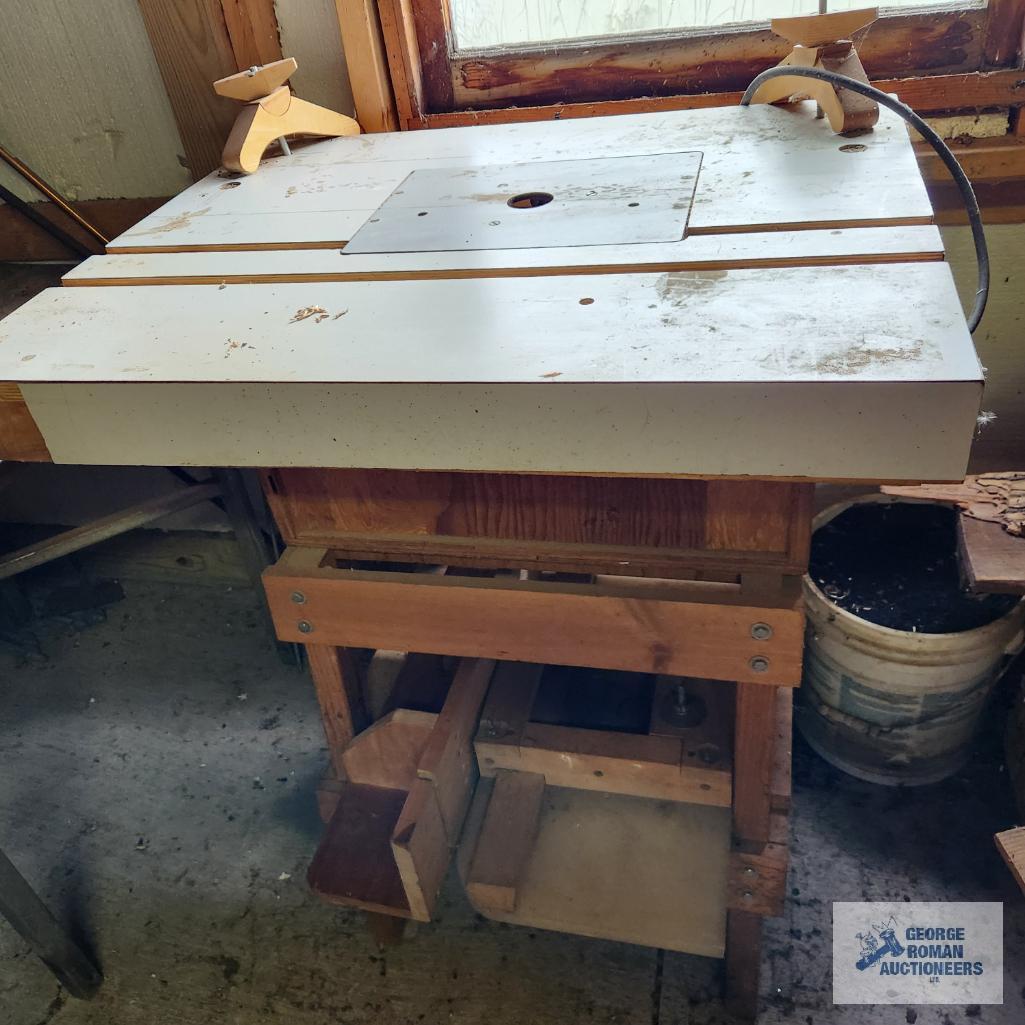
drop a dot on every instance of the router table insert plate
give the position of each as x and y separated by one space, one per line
806 325
601 201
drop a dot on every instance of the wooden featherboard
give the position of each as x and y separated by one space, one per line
805 328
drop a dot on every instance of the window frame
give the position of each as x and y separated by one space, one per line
436 85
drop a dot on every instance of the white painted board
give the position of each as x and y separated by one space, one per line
843 372
761 166
899 322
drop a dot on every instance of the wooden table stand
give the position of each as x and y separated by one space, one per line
588 358
522 571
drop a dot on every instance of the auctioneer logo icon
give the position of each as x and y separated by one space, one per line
935 952
874 946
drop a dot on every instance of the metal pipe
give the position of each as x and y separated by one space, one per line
47 225
51 194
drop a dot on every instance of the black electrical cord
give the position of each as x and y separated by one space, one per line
930 136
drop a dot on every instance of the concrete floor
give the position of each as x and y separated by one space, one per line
157 775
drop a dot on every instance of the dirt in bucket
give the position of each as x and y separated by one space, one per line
896 565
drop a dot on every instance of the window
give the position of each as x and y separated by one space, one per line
448 58
482 24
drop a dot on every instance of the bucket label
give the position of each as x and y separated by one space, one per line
926 952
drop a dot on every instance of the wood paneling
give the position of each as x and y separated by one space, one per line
613 524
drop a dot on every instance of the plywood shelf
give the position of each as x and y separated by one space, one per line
621 868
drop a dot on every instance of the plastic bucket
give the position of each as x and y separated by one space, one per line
891 706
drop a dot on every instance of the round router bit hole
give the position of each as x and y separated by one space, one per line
422 213
633 204
528 200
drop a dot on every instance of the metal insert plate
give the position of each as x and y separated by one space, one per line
594 202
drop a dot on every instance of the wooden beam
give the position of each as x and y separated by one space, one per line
644 626
399 32
753 758
616 763
339 685
506 840
253 32
925 94
983 160
367 61
1005 25
193 49
105 527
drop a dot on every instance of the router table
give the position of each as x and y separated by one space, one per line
535 396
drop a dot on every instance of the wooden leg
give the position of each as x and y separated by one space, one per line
337 677
754 744
754 739
385 930
743 963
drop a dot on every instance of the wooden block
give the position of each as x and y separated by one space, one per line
757 882
506 840
1011 844
387 754
672 631
992 560
420 849
448 761
354 865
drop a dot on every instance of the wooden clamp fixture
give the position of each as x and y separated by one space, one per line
272 112
823 41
